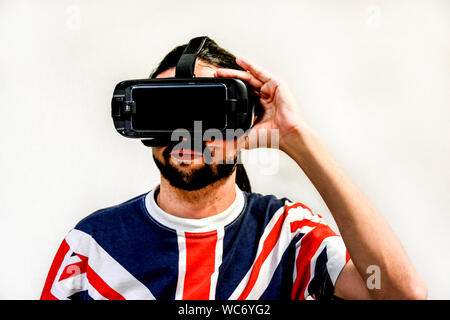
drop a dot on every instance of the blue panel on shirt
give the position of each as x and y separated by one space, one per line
241 241
134 240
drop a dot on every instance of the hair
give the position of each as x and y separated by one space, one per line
217 56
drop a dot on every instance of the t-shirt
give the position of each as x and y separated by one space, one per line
261 247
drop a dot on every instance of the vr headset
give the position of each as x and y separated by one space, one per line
152 109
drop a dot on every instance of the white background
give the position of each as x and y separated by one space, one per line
372 78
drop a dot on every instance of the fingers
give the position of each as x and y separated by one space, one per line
257 71
256 75
243 75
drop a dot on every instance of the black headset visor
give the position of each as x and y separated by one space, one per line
153 109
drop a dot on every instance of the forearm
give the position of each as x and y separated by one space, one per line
367 236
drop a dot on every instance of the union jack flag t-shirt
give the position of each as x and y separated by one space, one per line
261 247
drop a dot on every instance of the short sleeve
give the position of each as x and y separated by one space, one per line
320 255
66 279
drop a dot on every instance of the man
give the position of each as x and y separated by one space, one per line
197 235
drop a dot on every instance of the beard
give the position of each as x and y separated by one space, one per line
193 179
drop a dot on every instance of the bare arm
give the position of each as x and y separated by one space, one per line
368 238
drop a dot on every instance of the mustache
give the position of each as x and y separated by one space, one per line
177 145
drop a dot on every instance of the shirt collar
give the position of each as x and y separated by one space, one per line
214 222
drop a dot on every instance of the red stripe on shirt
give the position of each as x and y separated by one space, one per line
295 205
56 265
309 245
74 269
299 204
200 261
298 224
295 225
99 284
269 244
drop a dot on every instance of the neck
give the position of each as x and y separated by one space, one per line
197 204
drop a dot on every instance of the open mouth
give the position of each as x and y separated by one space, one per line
186 155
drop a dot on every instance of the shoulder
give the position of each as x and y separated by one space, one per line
113 217
294 217
270 204
259 204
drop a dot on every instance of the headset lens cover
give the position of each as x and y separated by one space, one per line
167 108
